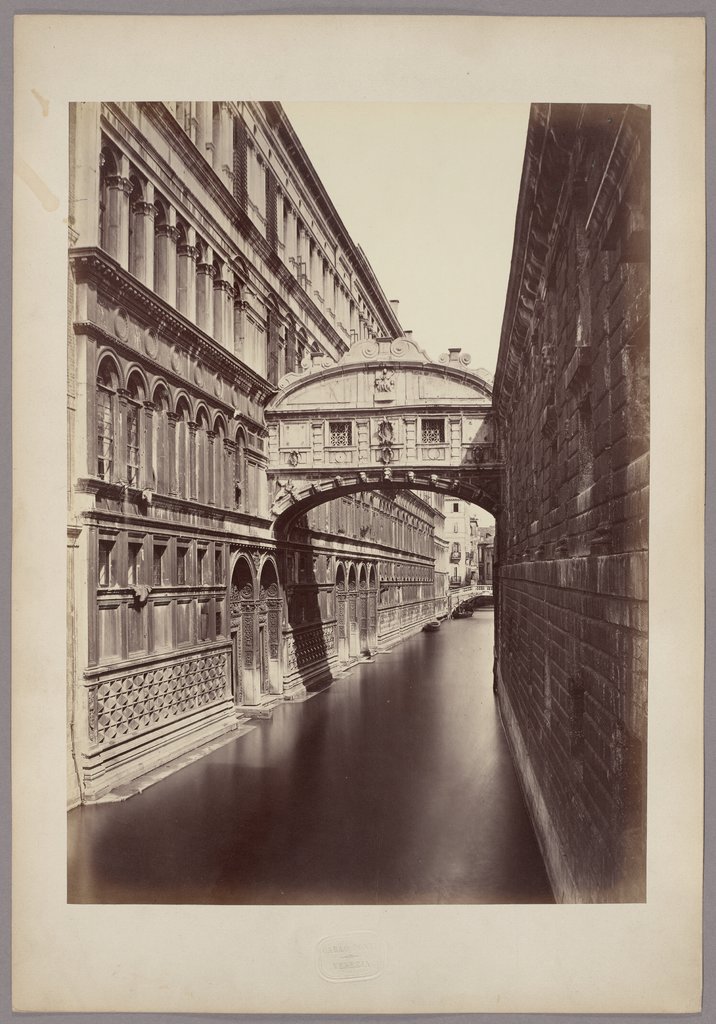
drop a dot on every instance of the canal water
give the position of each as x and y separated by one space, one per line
393 785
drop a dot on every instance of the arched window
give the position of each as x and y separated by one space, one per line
135 397
160 459
106 412
239 471
183 457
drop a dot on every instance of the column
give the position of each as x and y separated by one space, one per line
280 233
119 189
292 239
210 497
187 256
192 482
165 277
239 327
204 297
223 303
120 447
203 126
214 143
316 270
229 456
226 168
87 197
148 478
143 212
172 480
304 254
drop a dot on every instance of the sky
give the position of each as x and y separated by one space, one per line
429 191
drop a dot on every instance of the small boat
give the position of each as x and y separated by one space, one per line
431 627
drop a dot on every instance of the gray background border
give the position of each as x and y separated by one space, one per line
8 8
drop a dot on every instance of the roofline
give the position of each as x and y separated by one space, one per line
279 120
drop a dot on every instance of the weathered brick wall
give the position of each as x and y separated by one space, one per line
572 395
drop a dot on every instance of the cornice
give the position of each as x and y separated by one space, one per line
482 402
230 517
91 264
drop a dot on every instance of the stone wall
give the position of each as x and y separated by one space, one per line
571 392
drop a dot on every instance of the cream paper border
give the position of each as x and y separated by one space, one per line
443 958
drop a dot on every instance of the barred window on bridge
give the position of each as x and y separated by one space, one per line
340 435
433 431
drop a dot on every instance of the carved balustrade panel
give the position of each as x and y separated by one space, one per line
134 702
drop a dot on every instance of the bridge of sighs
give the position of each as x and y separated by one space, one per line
385 416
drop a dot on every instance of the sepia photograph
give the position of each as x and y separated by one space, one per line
340 600
358 529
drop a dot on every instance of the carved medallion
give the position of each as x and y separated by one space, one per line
121 324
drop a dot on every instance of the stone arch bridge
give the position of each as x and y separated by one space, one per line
385 416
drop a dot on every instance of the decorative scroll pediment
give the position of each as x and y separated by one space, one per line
383 372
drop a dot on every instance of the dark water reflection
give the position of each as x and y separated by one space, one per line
395 785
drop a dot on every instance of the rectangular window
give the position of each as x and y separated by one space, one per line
133 445
182 565
341 435
159 565
134 563
218 564
202 565
106 565
433 431
456 506
219 618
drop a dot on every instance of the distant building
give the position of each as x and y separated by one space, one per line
459 534
484 544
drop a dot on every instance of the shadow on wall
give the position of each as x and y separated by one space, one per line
310 636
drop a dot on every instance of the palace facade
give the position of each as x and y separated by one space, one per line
207 262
